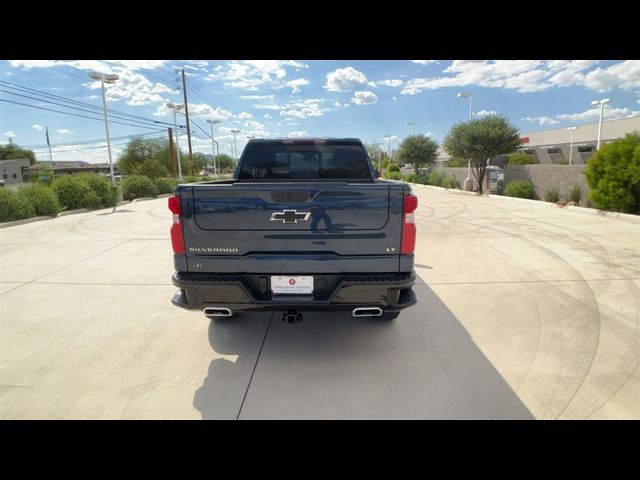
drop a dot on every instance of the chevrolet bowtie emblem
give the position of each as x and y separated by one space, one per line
290 216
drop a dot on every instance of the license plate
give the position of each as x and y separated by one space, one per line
292 285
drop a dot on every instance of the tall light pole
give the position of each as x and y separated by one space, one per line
573 131
175 107
414 126
601 102
235 151
388 137
470 96
212 123
106 78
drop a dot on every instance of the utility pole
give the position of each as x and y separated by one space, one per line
186 112
172 160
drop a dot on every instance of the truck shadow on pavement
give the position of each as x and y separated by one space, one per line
423 365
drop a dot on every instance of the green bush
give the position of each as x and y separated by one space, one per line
551 194
72 191
43 199
450 181
394 167
192 179
14 206
394 176
138 186
457 162
106 191
575 194
165 185
562 161
91 200
520 158
519 189
435 178
411 178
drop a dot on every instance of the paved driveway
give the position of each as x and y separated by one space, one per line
525 311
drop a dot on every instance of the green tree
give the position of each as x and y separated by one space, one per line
199 162
152 168
480 140
225 162
418 150
520 158
140 149
613 175
456 162
10 151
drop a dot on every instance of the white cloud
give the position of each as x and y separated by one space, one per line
310 107
430 134
134 88
266 115
424 62
364 98
251 74
531 75
64 131
244 115
197 110
394 138
299 133
391 83
257 97
483 113
345 79
394 98
9 134
296 84
593 114
337 104
35 126
542 120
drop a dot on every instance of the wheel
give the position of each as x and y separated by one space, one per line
389 315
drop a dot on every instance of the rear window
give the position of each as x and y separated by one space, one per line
272 162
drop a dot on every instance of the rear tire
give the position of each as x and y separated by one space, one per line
389 315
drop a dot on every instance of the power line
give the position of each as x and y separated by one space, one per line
88 142
76 114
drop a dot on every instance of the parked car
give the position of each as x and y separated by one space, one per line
303 225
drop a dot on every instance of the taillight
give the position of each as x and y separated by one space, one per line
177 239
408 244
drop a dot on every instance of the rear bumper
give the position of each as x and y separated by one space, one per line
246 292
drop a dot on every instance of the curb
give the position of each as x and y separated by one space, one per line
24 221
72 212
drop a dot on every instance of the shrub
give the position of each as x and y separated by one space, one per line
91 200
72 191
191 179
562 161
165 185
613 175
519 189
575 194
422 179
457 162
395 176
43 199
551 194
435 178
450 181
138 186
411 178
105 190
14 206
394 167
520 158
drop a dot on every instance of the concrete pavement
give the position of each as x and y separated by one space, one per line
523 312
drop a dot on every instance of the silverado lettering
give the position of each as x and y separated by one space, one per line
313 228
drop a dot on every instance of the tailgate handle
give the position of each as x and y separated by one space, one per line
295 196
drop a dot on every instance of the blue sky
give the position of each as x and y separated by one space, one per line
364 99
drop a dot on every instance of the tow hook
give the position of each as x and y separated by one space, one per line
292 316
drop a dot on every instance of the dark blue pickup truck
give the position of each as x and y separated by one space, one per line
303 225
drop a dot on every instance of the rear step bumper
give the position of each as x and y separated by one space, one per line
389 292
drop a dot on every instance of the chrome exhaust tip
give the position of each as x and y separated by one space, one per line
217 312
367 312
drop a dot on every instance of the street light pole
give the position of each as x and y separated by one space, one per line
388 137
103 78
573 130
235 150
212 123
470 96
601 102
175 107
